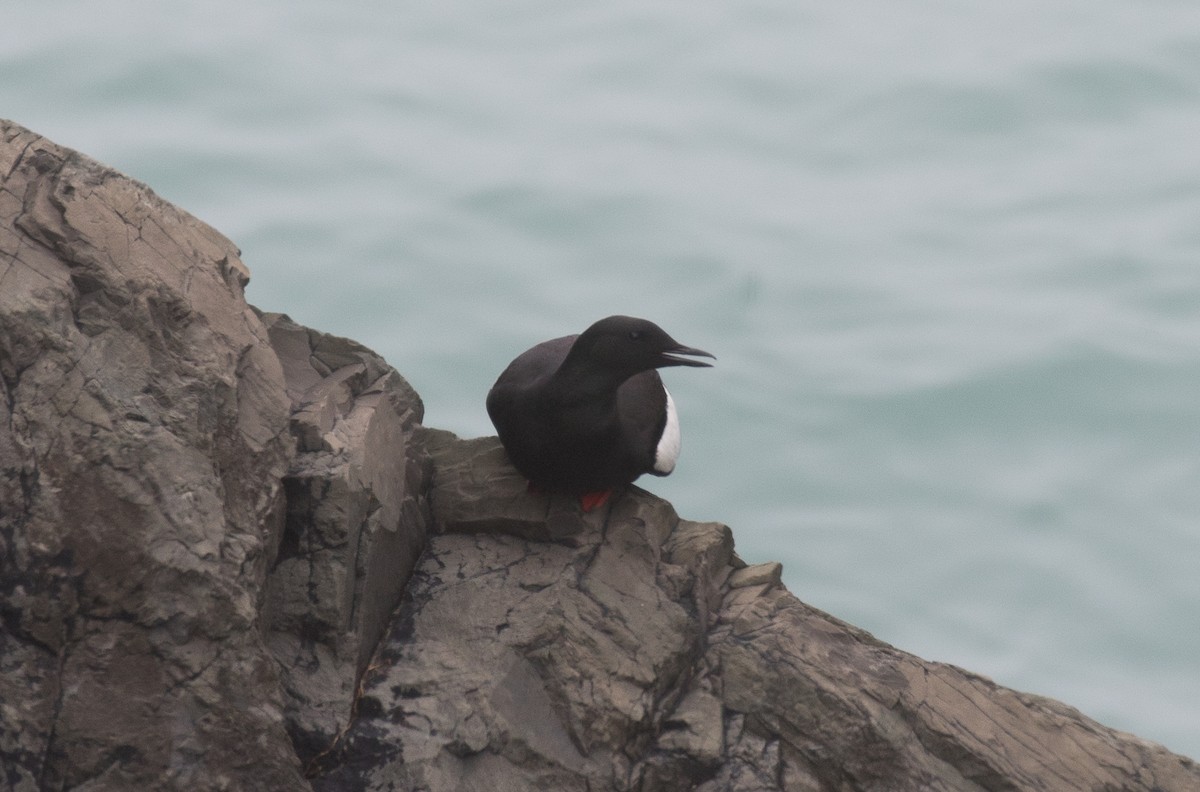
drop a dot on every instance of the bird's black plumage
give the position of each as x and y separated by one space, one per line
585 413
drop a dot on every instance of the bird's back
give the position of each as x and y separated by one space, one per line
524 375
531 425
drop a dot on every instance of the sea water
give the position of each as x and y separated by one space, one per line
947 254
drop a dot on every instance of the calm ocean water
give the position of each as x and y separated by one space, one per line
947 254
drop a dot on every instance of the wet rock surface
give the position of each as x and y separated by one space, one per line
232 558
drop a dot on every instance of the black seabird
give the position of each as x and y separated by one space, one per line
585 414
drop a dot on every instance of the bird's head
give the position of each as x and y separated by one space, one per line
627 345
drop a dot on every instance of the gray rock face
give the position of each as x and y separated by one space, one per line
233 559
143 444
356 522
540 648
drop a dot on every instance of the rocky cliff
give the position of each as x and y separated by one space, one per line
234 559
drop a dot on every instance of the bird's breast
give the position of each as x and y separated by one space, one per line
667 451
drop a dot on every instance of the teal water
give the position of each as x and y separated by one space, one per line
947 254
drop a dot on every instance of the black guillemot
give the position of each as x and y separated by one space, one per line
585 414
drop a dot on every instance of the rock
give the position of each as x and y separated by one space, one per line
232 558
490 677
356 522
143 444
643 655
765 575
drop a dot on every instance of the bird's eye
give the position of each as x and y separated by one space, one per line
635 335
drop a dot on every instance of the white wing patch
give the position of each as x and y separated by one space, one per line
668 445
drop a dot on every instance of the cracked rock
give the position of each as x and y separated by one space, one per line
644 655
356 522
143 444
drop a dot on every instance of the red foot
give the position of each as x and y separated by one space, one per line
589 501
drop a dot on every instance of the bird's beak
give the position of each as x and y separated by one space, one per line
669 357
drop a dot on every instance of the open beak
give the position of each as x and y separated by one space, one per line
669 357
